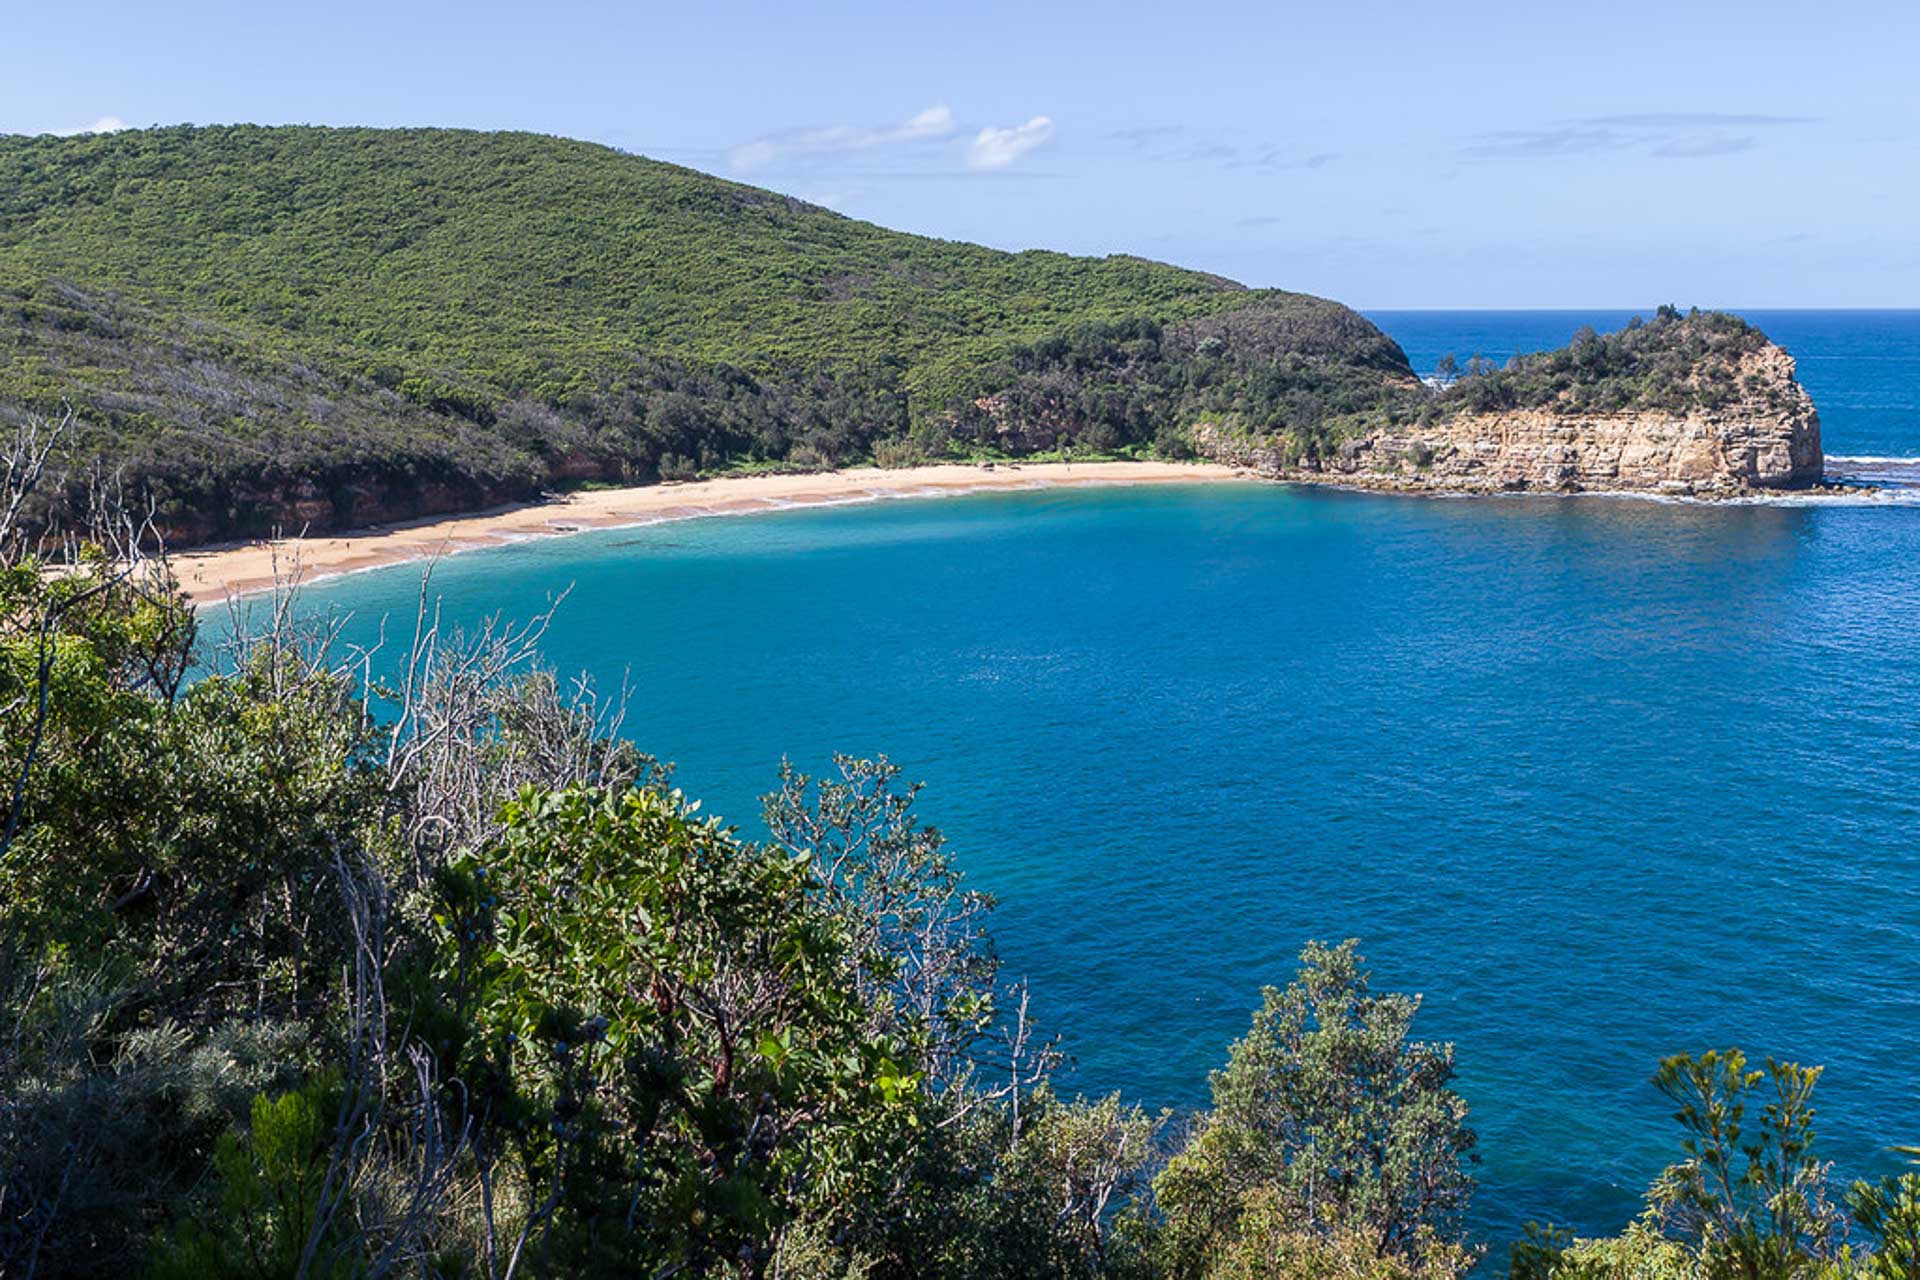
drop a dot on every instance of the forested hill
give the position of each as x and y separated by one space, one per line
328 326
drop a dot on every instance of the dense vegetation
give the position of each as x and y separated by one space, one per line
301 325
1103 386
307 976
1675 362
285 328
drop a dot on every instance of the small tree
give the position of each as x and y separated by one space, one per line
1332 1121
1750 1198
662 1037
920 956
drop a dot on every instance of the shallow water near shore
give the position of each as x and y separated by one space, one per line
1604 779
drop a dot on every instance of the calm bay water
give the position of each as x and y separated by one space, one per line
1604 779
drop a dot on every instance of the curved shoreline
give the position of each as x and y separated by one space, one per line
210 574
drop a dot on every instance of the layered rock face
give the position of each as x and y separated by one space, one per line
1767 437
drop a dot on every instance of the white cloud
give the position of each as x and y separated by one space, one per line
998 148
105 124
934 122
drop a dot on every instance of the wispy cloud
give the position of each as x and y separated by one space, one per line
1668 134
105 124
1176 144
1148 135
1695 120
933 123
1705 144
997 148
1530 144
1278 159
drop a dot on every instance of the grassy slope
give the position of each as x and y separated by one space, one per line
524 258
326 300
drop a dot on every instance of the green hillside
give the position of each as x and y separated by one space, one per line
336 325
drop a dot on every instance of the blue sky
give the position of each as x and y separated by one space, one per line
1612 153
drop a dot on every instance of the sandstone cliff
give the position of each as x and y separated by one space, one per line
1760 432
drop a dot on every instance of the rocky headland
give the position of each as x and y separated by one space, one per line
1696 405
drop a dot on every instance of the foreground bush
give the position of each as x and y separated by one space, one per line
1750 1200
1328 1125
302 976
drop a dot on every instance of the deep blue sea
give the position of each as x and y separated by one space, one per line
1602 778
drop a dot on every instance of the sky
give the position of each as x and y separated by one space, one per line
1599 153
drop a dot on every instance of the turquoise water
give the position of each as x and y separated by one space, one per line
1604 778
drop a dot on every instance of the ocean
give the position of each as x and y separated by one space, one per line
1603 779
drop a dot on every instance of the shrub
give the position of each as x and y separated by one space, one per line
661 1020
896 455
273 1218
1271 1246
1330 1120
1888 1212
674 466
1750 1197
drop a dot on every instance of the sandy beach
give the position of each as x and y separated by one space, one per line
214 572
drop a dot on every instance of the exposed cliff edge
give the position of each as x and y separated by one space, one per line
1699 404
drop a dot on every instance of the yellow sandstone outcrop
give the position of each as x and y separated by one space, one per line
1768 437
